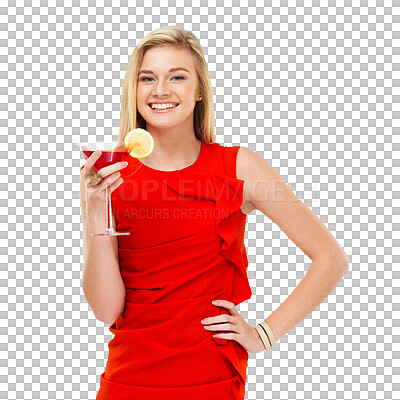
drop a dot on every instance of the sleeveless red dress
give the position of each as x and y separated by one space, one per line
185 249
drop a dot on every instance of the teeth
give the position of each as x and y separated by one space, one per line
162 106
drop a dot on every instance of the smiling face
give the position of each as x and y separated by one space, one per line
164 85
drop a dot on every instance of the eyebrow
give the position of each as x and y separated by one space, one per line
146 71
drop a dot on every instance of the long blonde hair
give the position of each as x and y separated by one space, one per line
203 118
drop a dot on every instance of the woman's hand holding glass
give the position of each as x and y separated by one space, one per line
93 198
94 195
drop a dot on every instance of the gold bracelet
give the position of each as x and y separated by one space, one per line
266 335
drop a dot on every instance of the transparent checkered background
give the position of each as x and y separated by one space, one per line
312 88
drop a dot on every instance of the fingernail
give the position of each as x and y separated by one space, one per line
125 163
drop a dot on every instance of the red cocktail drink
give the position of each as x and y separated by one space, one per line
108 157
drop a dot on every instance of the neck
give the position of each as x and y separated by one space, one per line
173 152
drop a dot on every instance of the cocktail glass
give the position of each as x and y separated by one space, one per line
111 153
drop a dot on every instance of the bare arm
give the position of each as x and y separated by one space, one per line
102 282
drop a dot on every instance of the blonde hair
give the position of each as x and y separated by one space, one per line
203 118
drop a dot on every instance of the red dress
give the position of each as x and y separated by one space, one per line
185 249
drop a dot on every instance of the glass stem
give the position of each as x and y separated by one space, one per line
109 210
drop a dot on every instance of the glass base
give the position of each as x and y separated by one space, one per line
110 233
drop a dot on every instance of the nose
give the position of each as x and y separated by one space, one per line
161 89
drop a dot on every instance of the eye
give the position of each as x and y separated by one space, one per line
175 77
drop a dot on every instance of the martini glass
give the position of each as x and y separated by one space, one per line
111 153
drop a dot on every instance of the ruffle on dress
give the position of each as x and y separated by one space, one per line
230 227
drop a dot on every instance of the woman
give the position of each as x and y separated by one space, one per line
170 289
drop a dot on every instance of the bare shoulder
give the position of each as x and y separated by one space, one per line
245 157
262 184
246 166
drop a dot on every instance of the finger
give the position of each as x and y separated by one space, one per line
104 184
227 305
112 168
218 319
228 336
116 184
223 303
221 327
91 161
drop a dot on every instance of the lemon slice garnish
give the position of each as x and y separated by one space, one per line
139 143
